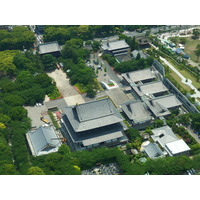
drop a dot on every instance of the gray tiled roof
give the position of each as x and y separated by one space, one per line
152 88
98 135
139 75
153 151
168 140
102 138
41 139
163 135
111 46
136 111
48 47
142 54
168 101
157 109
92 115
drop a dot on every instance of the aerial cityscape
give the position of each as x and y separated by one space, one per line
100 99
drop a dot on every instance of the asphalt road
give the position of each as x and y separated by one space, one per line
113 76
195 136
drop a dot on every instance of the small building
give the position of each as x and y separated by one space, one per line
116 48
157 109
168 101
162 106
137 112
123 58
52 48
5 27
168 140
94 124
43 141
144 42
156 88
179 51
141 53
153 151
144 76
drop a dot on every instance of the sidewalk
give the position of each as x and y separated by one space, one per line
189 82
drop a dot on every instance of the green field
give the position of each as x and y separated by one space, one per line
178 79
185 74
190 47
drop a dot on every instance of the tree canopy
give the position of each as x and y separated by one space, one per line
19 38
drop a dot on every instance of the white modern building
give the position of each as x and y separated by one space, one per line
166 138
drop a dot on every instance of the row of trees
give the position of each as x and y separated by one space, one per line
65 162
85 32
74 57
19 38
133 65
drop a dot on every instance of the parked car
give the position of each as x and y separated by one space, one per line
99 67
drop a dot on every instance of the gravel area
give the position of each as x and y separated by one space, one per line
109 169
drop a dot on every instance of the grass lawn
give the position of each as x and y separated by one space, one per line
55 94
190 47
178 79
81 87
186 74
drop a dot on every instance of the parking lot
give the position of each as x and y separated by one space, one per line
35 112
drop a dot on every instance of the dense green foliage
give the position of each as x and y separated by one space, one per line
19 38
135 138
130 41
74 56
133 65
110 59
195 121
85 32
28 88
7 67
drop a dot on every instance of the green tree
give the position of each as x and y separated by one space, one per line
35 171
196 33
197 51
182 40
64 150
49 61
18 113
158 123
138 56
96 46
14 100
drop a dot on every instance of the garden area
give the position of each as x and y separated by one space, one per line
190 47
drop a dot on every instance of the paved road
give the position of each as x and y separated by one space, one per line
70 94
113 76
195 136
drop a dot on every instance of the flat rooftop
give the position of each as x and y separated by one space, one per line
178 146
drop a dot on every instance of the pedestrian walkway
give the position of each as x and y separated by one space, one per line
183 79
